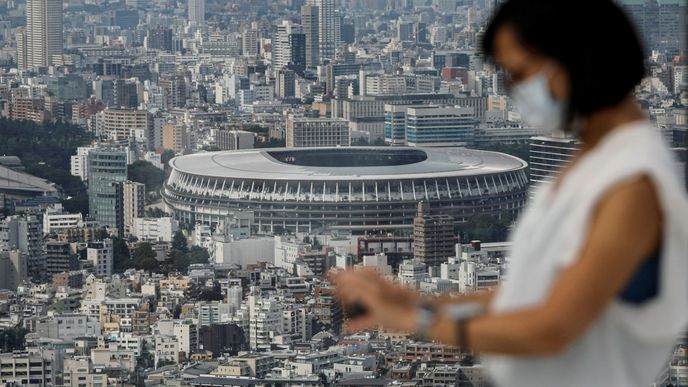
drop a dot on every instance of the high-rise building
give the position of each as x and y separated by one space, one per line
174 137
196 11
433 236
435 125
249 43
125 93
288 46
314 132
548 155
309 23
106 169
14 271
285 83
131 201
124 124
174 91
234 139
329 28
101 256
44 23
418 125
159 39
22 54
59 258
25 234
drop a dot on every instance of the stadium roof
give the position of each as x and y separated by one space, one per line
346 163
19 182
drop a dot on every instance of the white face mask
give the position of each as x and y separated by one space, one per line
538 108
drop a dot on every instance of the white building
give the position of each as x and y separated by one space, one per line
101 255
78 164
155 229
186 333
68 326
242 252
315 132
287 252
265 320
54 222
378 262
44 39
412 272
166 349
196 12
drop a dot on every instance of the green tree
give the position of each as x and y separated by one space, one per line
143 251
144 172
197 254
121 255
180 261
166 156
179 242
45 150
12 339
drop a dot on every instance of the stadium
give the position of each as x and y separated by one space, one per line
358 189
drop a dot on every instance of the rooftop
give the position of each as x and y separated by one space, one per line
346 163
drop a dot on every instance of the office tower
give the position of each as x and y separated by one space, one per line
314 132
59 258
106 169
433 236
174 91
131 202
661 25
249 43
329 28
22 54
25 234
548 155
286 83
309 23
100 254
124 124
174 137
43 31
435 125
159 39
288 46
14 271
234 139
297 52
125 94
418 125
196 12
126 18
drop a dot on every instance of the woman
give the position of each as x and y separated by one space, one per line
596 291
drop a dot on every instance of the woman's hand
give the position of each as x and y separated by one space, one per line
387 304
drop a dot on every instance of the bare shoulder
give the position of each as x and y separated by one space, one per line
629 217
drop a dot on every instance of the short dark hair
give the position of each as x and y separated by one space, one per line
593 39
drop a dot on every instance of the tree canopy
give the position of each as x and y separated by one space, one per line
45 150
145 173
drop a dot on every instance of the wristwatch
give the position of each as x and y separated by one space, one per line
425 316
460 312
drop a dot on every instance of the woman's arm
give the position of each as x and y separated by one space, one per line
625 228
483 297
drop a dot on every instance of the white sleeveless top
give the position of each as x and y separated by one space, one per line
630 343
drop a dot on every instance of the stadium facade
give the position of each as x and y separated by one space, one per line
348 188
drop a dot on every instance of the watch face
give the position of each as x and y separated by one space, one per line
463 310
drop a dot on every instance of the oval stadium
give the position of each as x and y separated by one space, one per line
359 189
